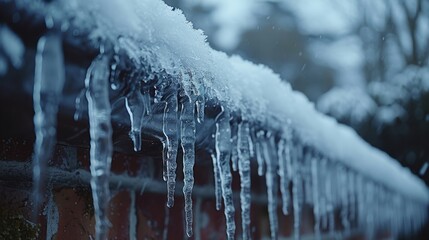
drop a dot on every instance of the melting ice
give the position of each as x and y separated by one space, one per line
49 80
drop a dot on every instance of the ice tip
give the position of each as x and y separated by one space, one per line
189 232
137 140
170 202
285 210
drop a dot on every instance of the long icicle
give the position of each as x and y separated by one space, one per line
284 179
223 154
260 152
147 100
342 173
169 128
200 104
234 142
160 89
187 127
323 201
135 108
99 111
48 85
330 208
316 208
217 181
268 146
244 171
297 190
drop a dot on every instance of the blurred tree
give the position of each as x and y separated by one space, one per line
395 43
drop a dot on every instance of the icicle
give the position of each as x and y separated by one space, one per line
223 152
336 186
244 171
395 221
79 105
306 177
297 190
160 89
134 104
342 187
268 147
187 127
330 200
288 160
132 231
164 161
200 101
200 104
352 196
316 208
217 180
234 143
360 193
171 142
147 100
369 218
99 109
48 85
284 180
323 205
260 153
114 72
251 145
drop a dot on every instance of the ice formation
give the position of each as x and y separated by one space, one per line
167 62
187 140
49 80
271 161
223 153
244 170
101 140
171 141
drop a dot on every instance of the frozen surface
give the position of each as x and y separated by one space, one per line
49 80
162 48
223 153
187 133
99 110
244 171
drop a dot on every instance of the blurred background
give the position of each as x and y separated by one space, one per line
363 62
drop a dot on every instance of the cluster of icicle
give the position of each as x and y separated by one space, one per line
328 186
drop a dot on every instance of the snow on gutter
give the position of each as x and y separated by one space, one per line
151 32
254 90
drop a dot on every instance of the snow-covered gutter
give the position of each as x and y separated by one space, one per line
154 55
